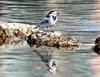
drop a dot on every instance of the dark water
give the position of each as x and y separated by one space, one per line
78 18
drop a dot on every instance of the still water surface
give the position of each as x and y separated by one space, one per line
79 19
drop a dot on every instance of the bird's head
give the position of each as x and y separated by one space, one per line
53 14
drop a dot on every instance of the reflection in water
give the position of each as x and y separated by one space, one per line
15 58
13 43
49 58
18 57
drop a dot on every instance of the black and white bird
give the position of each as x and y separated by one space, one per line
49 20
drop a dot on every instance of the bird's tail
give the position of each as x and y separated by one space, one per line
37 26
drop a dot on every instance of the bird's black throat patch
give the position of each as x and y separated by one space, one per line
54 17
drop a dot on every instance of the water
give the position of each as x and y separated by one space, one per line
78 18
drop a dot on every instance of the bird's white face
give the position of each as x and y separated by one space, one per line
53 17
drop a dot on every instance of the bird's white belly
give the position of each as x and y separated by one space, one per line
52 22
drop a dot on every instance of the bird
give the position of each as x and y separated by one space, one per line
49 20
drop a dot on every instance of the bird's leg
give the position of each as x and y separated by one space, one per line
51 30
48 29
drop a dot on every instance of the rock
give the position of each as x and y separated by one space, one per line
18 33
48 39
96 48
35 36
68 42
18 29
3 35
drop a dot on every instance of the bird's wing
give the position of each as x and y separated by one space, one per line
45 21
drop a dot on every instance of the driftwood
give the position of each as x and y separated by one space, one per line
54 39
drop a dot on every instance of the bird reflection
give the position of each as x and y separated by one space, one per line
48 59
